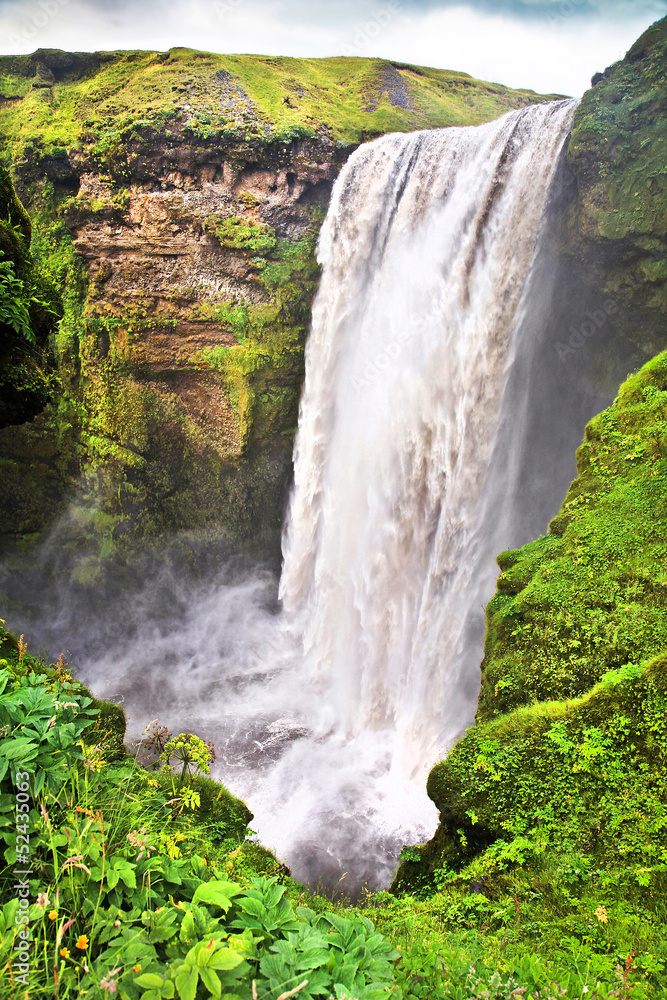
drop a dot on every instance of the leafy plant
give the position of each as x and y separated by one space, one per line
14 302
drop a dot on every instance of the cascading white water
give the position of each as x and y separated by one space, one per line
426 250
328 714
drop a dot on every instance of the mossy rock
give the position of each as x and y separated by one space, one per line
617 230
553 767
219 808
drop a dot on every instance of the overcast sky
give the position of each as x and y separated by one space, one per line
551 46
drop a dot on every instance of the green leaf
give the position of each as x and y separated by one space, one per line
217 892
186 982
225 958
150 980
211 981
19 748
40 777
253 907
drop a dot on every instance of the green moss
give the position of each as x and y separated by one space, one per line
582 775
30 307
219 808
235 233
617 229
264 370
592 595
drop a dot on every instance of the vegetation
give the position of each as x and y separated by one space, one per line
140 888
109 102
590 596
30 307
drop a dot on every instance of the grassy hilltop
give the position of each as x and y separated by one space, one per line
61 99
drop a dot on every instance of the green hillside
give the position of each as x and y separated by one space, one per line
59 100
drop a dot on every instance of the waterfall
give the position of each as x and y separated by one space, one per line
414 436
426 251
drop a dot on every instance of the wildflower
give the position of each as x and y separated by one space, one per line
601 914
64 952
139 841
136 968
82 942
43 901
60 669
75 862
109 983
53 915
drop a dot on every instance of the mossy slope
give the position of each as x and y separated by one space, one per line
54 101
592 594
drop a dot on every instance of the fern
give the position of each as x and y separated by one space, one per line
13 301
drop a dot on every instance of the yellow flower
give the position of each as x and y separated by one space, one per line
82 942
53 915
64 952
601 914
136 968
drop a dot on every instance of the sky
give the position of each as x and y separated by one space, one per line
550 46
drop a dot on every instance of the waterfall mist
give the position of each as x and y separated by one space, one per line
435 430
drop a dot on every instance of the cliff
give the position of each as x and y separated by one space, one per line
177 199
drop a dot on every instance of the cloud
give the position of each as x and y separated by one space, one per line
519 9
550 46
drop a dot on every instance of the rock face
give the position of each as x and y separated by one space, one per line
617 230
177 198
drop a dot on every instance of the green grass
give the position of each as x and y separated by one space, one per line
110 100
